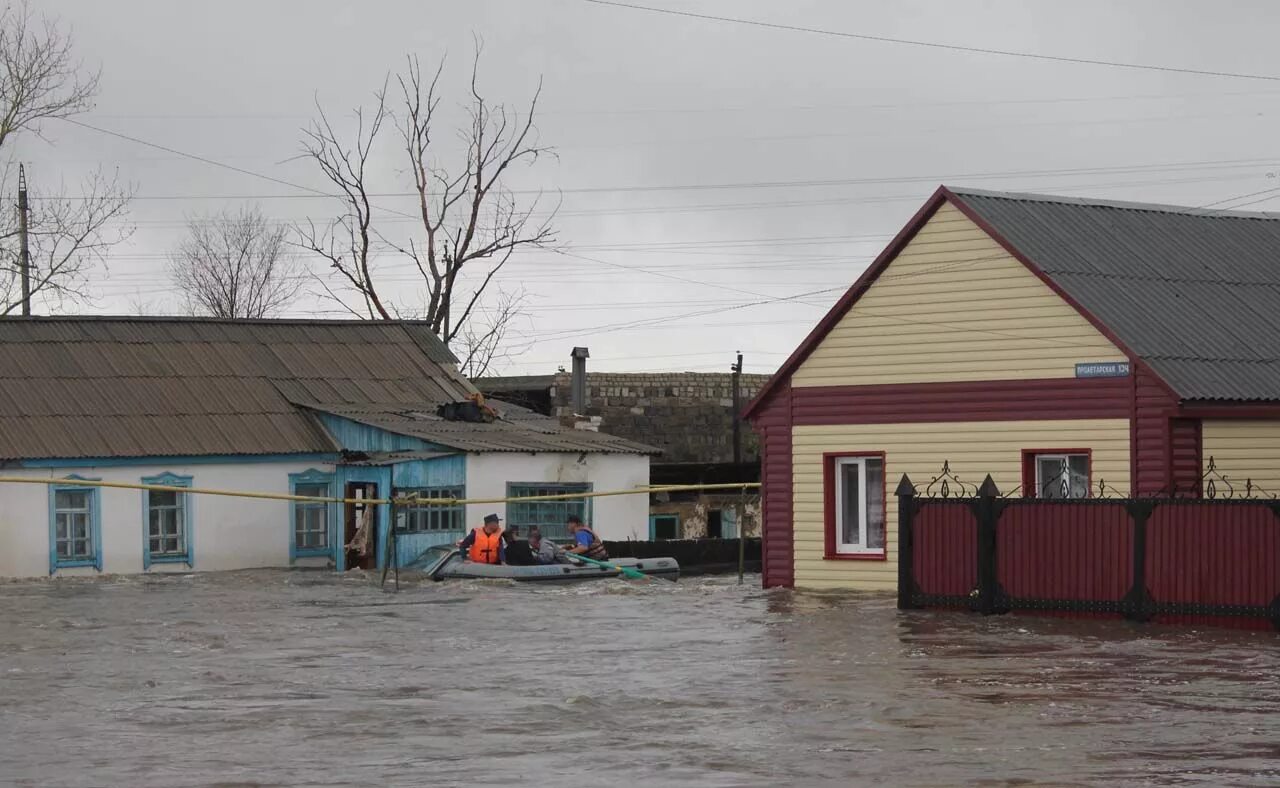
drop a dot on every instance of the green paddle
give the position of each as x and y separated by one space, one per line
625 570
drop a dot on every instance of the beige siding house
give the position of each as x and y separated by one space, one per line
1059 345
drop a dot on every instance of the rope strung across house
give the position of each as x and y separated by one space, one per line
400 501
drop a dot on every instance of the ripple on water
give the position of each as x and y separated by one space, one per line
304 678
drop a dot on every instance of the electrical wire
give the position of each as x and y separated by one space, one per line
936 44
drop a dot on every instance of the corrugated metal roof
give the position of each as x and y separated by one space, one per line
1193 292
519 430
130 387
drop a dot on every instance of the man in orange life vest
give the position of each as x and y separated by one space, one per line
486 545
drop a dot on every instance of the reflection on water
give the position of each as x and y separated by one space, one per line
280 678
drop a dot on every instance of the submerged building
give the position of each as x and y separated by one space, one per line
688 416
1060 345
347 409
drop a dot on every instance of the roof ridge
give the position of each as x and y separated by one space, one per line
1128 205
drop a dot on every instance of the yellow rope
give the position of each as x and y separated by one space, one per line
402 501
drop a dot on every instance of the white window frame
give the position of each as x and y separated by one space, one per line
854 548
1065 459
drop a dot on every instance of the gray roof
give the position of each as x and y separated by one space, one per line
138 387
518 430
1195 293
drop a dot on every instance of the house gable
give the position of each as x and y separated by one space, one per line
952 305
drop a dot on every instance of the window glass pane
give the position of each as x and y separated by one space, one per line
164 498
1050 476
1078 468
71 499
666 527
415 519
850 531
316 490
874 529
549 516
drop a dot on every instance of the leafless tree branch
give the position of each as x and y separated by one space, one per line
39 75
67 237
469 225
40 78
236 265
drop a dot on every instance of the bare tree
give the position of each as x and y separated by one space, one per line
468 223
40 79
236 265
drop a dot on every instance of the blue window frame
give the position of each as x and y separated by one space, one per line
166 522
430 519
549 516
75 527
311 522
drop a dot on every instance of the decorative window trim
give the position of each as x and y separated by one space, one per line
168 479
332 511
1030 487
95 525
831 544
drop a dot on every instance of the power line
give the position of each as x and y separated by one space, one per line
800 183
223 165
935 44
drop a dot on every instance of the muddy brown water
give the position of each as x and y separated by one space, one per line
307 679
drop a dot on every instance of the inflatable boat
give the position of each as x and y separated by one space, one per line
445 563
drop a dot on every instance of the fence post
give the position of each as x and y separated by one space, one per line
906 493
988 513
1138 603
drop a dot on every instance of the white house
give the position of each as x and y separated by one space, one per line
319 408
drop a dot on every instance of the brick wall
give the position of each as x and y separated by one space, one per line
688 415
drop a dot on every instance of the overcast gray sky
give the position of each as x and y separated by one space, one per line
688 148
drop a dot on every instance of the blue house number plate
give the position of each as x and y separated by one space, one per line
1103 369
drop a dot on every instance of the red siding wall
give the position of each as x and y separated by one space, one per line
997 400
1165 450
1152 408
1186 448
773 421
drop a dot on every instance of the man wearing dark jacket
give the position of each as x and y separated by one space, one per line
519 552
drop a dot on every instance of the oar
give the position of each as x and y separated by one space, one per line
625 570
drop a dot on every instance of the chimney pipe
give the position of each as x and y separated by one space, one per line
578 386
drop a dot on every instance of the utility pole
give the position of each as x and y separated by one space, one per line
24 261
737 408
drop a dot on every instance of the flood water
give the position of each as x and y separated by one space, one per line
305 678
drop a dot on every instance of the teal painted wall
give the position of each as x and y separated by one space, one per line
439 472
354 436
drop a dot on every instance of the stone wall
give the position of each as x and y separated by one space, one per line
689 415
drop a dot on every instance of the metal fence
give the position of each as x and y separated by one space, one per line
1177 559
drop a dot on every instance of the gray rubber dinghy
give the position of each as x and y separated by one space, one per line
446 563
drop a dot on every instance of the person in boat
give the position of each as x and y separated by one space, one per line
585 541
545 551
487 544
519 551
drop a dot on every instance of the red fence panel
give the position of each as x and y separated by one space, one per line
1064 551
945 535
1204 557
